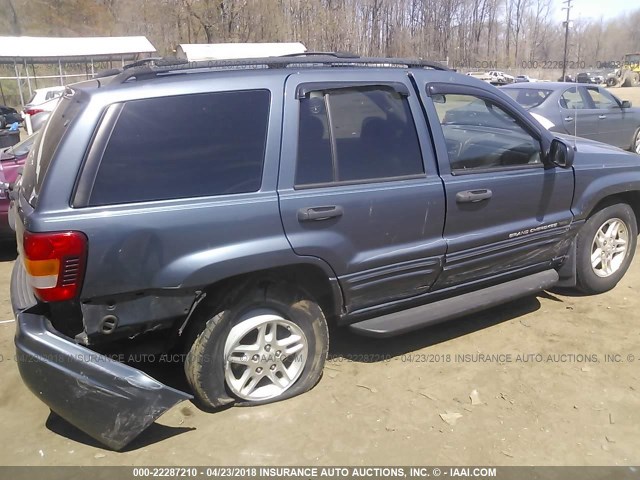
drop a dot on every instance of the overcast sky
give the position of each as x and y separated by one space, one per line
594 9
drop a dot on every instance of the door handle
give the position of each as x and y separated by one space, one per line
473 196
568 119
602 117
319 213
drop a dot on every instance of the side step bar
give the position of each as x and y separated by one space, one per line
436 312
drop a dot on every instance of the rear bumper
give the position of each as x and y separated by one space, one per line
108 400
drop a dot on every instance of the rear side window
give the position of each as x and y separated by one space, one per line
528 97
184 146
356 134
572 99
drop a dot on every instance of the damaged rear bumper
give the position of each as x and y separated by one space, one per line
108 400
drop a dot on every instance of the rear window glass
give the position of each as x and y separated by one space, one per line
44 149
184 146
528 97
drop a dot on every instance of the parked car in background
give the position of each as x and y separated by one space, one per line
587 77
42 103
11 162
567 78
523 79
499 78
9 116
484 76
43 95
588 111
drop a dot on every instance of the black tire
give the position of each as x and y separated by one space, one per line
612 82
628 79
205 362
635 143
588 281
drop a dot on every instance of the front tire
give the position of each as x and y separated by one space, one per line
635 145
268 342
606 246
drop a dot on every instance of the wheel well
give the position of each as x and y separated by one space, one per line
310 278
630 198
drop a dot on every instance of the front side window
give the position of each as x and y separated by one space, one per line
184 146
356 134
601 98
481 135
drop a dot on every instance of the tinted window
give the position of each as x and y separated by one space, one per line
481 135
44 148
528 97
572 99
372 133
184 146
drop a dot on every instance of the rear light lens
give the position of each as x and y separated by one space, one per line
55 264
33 111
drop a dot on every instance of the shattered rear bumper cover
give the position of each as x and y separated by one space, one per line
108 400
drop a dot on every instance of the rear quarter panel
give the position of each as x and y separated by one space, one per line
169 244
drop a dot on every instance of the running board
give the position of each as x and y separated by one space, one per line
414 318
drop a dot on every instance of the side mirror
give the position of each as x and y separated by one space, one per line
625 104
560 154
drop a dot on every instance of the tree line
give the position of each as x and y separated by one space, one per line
511 33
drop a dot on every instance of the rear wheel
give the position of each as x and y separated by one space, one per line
269 342
606 246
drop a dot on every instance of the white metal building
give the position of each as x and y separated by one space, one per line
25 54
221 51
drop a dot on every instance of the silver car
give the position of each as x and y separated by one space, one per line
588 111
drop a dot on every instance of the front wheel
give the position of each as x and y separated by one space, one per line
268 343
635 145
606 246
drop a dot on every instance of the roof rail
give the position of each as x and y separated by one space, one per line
310 59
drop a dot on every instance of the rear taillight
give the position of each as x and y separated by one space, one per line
33 111
55 264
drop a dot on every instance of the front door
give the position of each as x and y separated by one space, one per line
358 186
613 127
506 212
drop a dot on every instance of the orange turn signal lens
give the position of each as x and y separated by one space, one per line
41 268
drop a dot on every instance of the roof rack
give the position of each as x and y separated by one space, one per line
154 67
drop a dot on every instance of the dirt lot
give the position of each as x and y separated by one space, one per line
567 406
548 396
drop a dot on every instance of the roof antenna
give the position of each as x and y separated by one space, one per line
575 129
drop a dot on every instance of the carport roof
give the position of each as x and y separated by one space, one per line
52 49
222 51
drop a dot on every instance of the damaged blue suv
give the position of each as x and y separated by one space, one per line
293 193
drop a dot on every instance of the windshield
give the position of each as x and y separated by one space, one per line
632 58
528 97
44 148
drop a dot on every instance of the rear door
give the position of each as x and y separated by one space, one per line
358 186
506 213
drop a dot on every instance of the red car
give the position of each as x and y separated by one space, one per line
11 161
